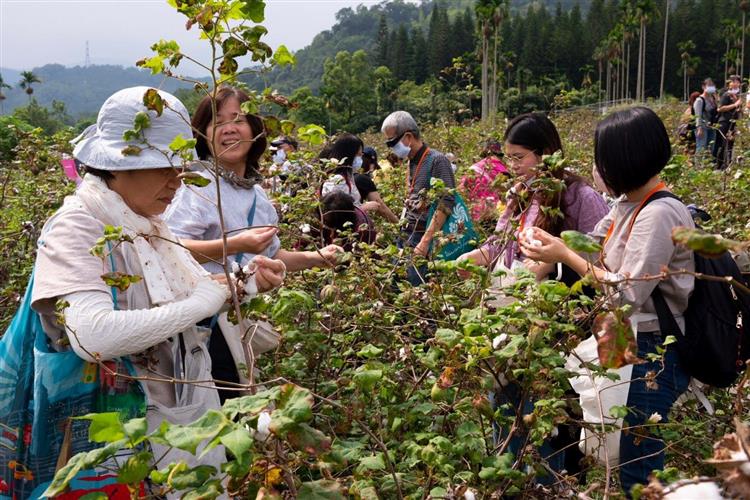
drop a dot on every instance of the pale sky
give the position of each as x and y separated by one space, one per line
38 32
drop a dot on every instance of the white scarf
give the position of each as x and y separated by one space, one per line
168 270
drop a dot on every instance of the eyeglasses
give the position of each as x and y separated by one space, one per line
515 159
239 118
392 142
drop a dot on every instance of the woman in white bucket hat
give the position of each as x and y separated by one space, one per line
150 326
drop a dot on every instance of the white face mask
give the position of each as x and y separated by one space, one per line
279 156
401 150
711 89
357 163
734 91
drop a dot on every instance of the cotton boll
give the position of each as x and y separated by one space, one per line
529 235
263 431
499 340
704 491
469 495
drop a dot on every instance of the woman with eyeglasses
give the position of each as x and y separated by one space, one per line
527 138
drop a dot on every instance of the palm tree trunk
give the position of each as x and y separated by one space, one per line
639 76
599 95
627 74
664 51
742 57
485 62
726 62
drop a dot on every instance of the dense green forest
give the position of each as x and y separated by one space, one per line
427 58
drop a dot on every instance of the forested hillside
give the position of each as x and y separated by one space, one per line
82 89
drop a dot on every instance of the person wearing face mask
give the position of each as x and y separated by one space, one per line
704 110
730 108
404 139
282 147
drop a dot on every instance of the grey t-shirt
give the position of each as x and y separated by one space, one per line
194 215
436 165
647 250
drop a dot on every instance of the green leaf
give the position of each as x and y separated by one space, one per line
618 411
120 280
155 64
191 478
136 468
370 351
141 121
616 343
448 337
287 127
314 135
282 56
131 150
305 438
194 179
272 125
228 66
294 403
366 378
136 428
670 339
238 442
324 489
250 404
373 462
579 242
104 427
206 428
153 101
254 10
179 143
708 245
233 48
211 489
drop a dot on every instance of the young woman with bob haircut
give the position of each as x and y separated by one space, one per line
631 149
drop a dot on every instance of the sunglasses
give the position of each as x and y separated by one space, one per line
392 142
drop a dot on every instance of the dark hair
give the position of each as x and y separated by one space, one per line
336 209
97 172
346 146
535 132
202 119
492 147
630 147
707 82
693 97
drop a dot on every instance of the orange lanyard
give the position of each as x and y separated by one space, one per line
410 181
611 229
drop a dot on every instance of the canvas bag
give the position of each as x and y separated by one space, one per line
611 393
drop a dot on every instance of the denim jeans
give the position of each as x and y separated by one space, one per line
671 382
511 394
706 139
416 275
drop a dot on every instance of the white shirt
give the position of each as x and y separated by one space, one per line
193 215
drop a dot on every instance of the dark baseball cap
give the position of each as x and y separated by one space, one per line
370 153
284 140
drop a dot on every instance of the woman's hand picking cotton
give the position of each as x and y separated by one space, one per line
541 246
269 273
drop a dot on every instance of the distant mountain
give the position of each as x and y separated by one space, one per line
82 89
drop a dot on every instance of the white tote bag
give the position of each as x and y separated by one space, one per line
598 395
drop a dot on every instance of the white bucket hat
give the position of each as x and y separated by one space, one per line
101 145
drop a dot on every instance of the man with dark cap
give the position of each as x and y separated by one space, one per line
730 108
